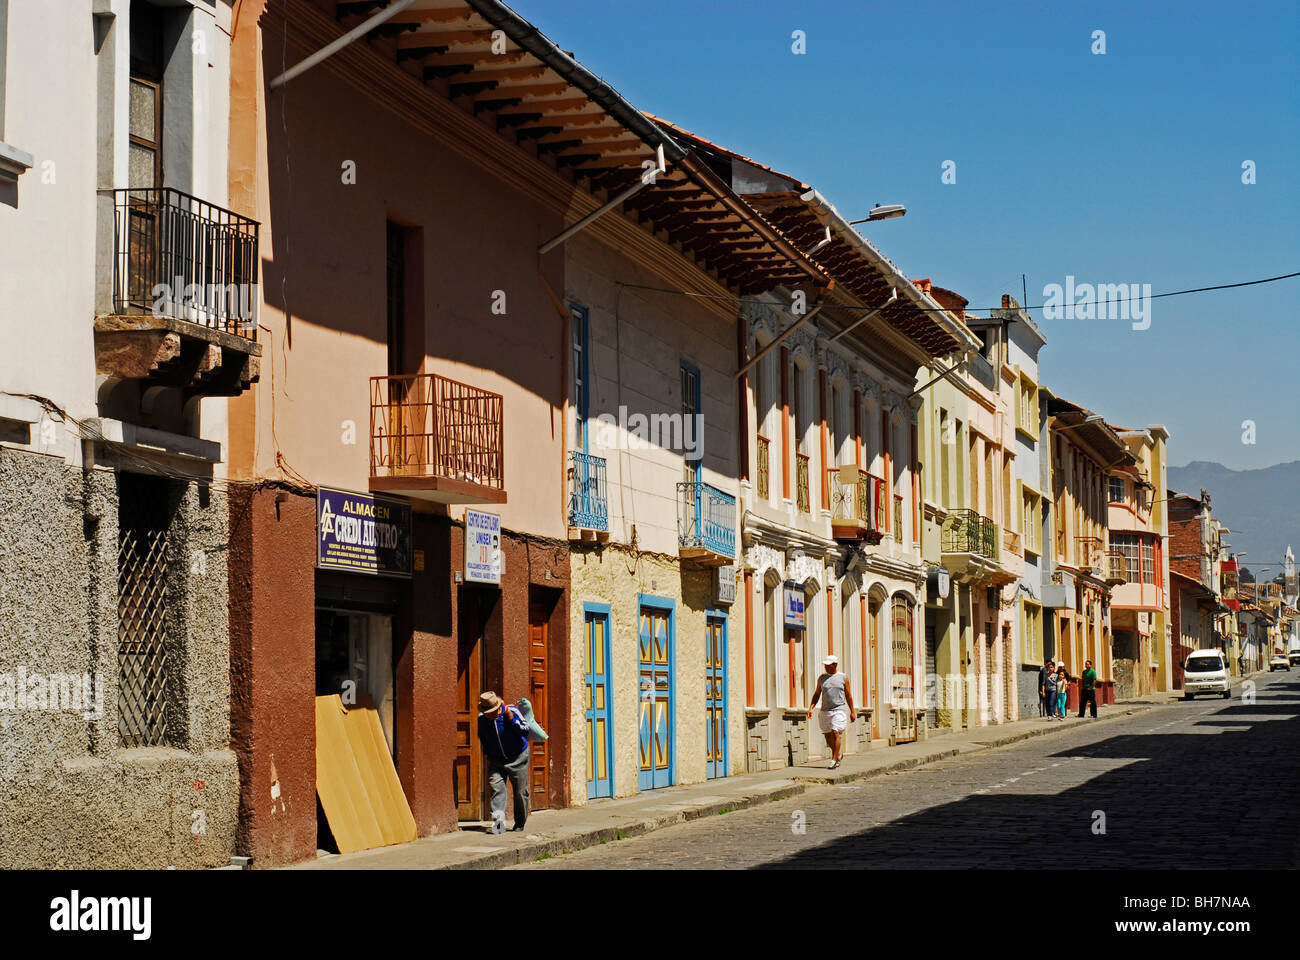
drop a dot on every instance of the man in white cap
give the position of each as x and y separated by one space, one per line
837 706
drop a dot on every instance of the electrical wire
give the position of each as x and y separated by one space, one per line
1153 296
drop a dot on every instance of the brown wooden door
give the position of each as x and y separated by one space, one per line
467 772
538 694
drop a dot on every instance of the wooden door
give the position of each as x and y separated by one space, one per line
538 695
715 696
600 732
657 736
873 671
467 771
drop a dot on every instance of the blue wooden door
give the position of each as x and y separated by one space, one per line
600 731
656 755
715 695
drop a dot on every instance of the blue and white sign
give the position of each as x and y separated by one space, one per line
362 533
482 547
795 618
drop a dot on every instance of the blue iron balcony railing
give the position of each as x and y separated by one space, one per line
588 495
706 520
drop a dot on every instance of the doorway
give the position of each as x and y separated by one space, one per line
539 632
715 695
354 659
473 675
657 767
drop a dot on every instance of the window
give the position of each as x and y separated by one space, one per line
1148 563
690 422
1031 522
1031 633
581 400
1128 546
1027 406
145 97
1117 486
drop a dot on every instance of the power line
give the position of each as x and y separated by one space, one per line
1076 304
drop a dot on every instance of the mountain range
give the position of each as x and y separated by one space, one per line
1261 507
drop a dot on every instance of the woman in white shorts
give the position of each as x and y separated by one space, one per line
837 707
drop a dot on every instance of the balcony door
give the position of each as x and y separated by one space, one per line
692 455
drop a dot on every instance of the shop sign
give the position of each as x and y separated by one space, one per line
727 584
939 583
362 533
482 547
794 607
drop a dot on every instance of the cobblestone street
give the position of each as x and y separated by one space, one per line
1207 784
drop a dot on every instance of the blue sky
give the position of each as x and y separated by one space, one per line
1117 168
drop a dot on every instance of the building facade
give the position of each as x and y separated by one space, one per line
1082 450
1137 513
114 670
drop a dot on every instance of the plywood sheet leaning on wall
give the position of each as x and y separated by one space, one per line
355 777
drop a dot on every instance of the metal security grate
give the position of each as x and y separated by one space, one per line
141 612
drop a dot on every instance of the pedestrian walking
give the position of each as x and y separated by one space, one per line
1088 688
837 705
1046 683
503 735
1062 690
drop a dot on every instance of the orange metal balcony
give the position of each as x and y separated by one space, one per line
432 438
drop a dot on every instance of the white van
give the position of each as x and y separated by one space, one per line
1206 671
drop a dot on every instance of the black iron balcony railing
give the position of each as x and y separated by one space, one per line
588 497
966 531
180 257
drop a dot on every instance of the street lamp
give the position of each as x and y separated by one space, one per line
886 212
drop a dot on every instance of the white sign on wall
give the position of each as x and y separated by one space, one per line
482 547
727 583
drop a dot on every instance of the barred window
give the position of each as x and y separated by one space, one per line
142 560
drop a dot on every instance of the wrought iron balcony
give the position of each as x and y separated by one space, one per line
856 504
183 297
181 257
588 497
706 522
437 439
966 531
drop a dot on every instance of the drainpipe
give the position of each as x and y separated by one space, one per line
328 51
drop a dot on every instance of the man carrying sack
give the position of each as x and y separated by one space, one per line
503 733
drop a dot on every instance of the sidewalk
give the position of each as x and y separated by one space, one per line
552 832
